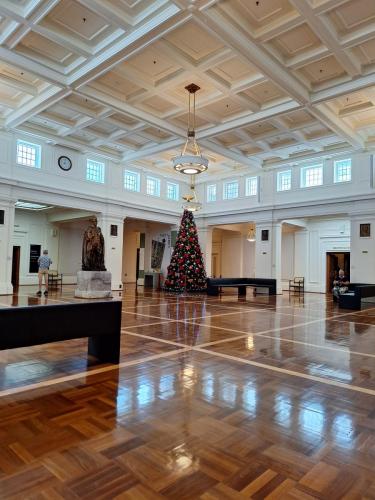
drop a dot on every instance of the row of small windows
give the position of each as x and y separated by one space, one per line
132 182
29 155
310 176
313 175
231 189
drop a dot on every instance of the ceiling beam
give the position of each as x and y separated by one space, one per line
150 151
325 30
44 100
228 153
135 113
323 113
235 36
251 118
359 83
142 36
302 158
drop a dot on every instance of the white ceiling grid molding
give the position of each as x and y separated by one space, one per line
281 81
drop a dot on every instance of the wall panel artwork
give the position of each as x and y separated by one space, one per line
157 253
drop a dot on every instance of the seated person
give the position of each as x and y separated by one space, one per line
340 285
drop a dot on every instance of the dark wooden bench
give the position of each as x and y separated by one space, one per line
352 299
214 284
34 325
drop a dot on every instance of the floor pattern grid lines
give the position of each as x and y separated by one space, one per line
214 398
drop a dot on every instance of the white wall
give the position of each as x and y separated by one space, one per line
287 258
129 255
63 241
362 183
6 248
235 255
33 228
70 250
70 189
311 247
152 231
248 258
362 261
74 184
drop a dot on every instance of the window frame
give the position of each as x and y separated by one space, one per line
157 182
176 191
335 176
38 154
208 191
249 184
101 164
303 184
137 177
278 180
225 193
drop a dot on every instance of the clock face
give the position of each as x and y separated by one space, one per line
65 163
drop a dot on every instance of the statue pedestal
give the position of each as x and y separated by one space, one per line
93 285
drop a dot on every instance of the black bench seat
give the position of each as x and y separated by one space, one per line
214 284
356 292
99 321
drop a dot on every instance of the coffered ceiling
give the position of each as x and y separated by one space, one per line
281 80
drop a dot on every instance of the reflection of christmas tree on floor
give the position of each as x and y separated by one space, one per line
186 270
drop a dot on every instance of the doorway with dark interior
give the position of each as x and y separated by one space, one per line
336 261
16 266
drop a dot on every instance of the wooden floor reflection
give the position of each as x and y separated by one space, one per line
214 398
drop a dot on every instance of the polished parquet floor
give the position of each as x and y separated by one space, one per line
214 398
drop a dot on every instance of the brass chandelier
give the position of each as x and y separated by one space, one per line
251 234
191 201
191 161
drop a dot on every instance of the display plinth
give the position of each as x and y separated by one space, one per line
93 284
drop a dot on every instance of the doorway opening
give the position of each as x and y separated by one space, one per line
16 266
336 261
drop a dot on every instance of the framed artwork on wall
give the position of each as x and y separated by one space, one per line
265 234
113 229
364 230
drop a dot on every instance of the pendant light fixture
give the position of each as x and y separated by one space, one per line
251 234
191 201
191 161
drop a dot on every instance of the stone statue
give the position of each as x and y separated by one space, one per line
93 248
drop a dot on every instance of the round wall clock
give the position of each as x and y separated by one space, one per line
65 163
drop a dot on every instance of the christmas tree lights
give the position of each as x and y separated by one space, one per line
186 271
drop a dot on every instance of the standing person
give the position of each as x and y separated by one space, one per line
43 262
340 285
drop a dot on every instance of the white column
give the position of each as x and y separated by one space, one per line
268 252
301 254
362 249
248 257
113 246
205 242
148 250
6 247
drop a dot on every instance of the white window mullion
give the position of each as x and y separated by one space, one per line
95 171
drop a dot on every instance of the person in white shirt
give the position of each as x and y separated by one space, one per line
43 262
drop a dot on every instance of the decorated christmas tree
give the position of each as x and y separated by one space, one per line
186 271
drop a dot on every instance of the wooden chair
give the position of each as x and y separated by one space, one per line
54 280
297 285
